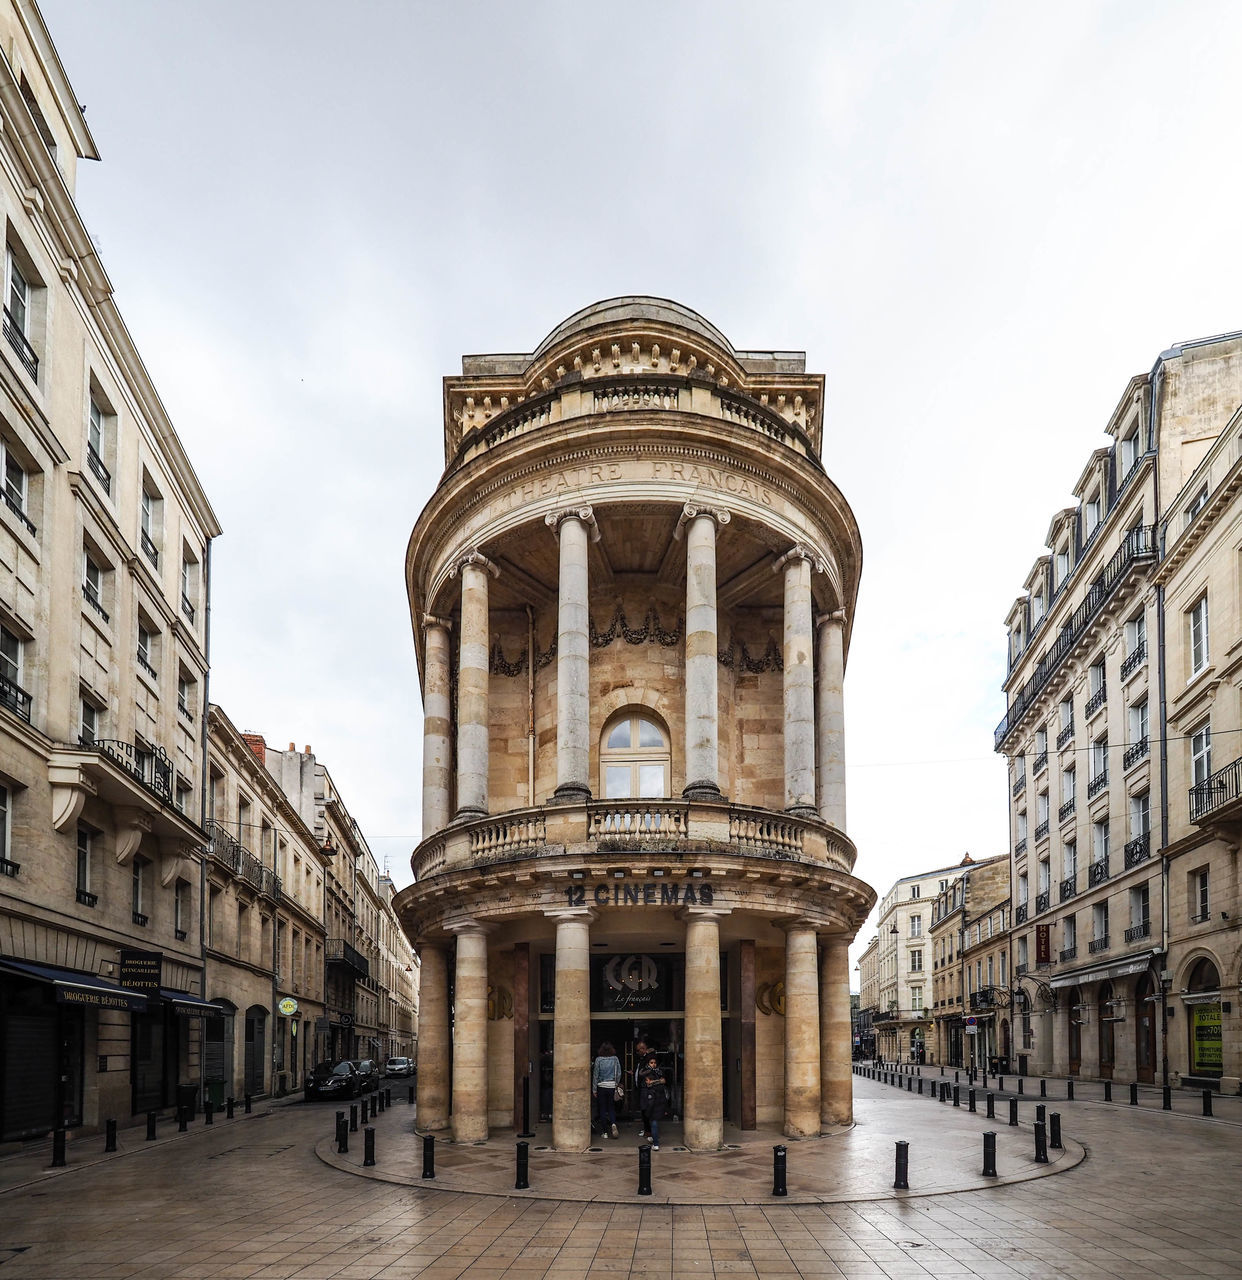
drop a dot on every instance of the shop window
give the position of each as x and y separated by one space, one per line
635 759
1203 1010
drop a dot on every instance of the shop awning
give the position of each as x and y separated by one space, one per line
1099 972
74 987
190 1006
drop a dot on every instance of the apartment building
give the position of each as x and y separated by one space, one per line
1111 629
973 1002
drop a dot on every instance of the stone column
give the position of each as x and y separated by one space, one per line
432 1092
799 683
472 684
573 656
802 1102
702 649
571 1036
836 1088
830 735
437 725
703 1103
470 1035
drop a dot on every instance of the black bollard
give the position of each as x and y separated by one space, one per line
902 1181
380 1096
368 1146
340 1119
1134 1093
228 1108
209 1112
1069 1091
970 1100
246 1104
991 1106
957 1077
920 1084
1108 1091
411 1098
527 1131
989 1154
1041 1143
183 1119
985 1079
1043 1088
342 1134
1000 1084
429 1155
1167 1105
353 1117
910 1084
110 1136
1041 1113
58 1148
523 1167
1207 1102
1054 1131
779 1187
1013 1113
957 1095
942 1071
151 1118
644 1171
1021 1082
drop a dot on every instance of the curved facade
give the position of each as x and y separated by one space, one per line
631 595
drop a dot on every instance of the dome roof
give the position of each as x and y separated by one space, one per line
634 307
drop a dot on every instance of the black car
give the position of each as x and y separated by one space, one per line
329 1081
368 1074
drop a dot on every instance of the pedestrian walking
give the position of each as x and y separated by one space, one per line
653 1096
605 1086
641 1050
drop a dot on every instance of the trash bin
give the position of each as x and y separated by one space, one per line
187 1099
215 1091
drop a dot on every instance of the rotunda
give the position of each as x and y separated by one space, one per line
632 595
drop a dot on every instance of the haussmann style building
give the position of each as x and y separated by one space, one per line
632 595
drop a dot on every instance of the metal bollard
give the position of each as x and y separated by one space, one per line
151 1118
340 1116
970 1101
644 1171
1167 1105
429 1155
380 1096
209 1112
909 1084
353 1117
1013 1113
1020 1084
902 1180
957 1077
1207 1102
957 1095
991 1106
1041 1143
1134 1093
1043 1088
942 1071
58 1148
1054 1131
342 1134
1000 1084
1108 1091
989 1154
1069 1091
228 1108
369 1102
110 1136
246 1103
920 1084
368 1146
183 1119
1041 1113
779 1187
523 1167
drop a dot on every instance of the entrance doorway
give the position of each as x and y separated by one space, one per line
1145 1029
1075 1032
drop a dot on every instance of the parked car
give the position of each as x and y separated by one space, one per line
368 1074
341 1080
395 1068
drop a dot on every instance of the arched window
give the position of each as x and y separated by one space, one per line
634 758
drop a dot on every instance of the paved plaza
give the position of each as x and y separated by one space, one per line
1137 1192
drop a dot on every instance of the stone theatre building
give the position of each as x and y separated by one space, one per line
632 595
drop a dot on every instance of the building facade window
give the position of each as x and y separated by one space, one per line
89 728
138 891
181 909
1198 635
1199 895
1099 841
1201 753
916 926
85 870
635 759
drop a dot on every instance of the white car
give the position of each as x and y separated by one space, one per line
396 1067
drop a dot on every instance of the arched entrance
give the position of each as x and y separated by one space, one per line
1074 1031
218 1050
256 1035
1203 1020
1106 1025
1145 1029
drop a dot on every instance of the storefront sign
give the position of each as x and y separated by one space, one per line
653 893
1205 1042
288 1006
142 971
633 982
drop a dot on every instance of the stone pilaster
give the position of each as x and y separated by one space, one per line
472 687
802 1086
836 1104
573 655
702 650
830 736
437 726
703 1103
432 1085
571 1070
470 1035
799 682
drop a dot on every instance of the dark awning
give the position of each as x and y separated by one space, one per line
74 987
190 1006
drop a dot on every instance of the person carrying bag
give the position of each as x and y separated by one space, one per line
606 1087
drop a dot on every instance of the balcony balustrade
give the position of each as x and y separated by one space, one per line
150 550
1069 953
1041 830
1065 736
226 849
1043 901
1099 944
338 951
1020 913
1222 789
1131 663
15 698
1137 932
1069 888
1135 753
1041 763
1067 809
21 347
1019 784
96 463
1097 784
20 512
1020 847
1098 872
1096 700
1138 850
153 769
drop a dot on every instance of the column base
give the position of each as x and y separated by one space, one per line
468 815
701 791
570 793
802 810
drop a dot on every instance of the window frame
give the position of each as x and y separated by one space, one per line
634 757
1197 647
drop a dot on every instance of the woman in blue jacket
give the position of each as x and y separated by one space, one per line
605 1081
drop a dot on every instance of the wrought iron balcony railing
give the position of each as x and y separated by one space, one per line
1138 850
88 594
96 463
1136 932
1065 735
21 346
1223 786
1098 944
15 698
1020 847
1043 901
1098 872
1069 888
187 608
231 853
20 512
338 951
145 663
1133 661
1135 752
1096 700
153 769
1019 784
1020 913
1069 953
1067 809
1097 784
1041 830
149 548
1041 762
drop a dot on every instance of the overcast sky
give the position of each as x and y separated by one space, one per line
978 221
